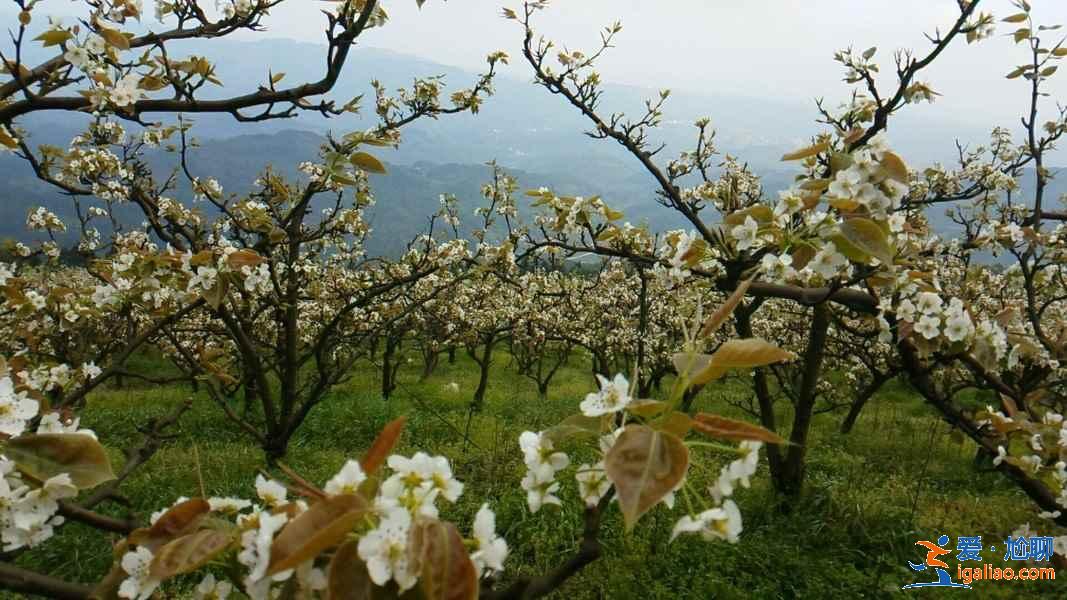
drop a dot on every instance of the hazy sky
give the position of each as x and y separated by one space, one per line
782 48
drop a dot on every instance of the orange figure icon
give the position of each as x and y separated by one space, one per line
935 550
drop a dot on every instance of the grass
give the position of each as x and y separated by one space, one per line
897 478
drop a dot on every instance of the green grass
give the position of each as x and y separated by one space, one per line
897 478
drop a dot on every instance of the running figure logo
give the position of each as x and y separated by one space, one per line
944 579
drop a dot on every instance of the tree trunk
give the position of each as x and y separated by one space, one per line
478 402
390 366
743 325
861 399
429 364
689 396
792 476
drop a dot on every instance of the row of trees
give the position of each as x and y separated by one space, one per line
266 300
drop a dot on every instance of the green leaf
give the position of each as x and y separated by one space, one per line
869 237
1017 18
1018 72
53 37
644 465
366 162
575 426
45 455
760 213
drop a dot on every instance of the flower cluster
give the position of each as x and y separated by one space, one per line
402 501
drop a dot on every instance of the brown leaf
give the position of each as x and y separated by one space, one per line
644 465
179 520
321 526
383 445
347 578
437 553
724 428
188 553
802 255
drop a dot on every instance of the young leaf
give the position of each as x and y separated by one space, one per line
807 152
739 354
894 167
383 445
114 37
646 408
676 423
690 364
644 465
575 426
323 525
244 258
717 318
6 139
869 237
347 577
43 456
179 520
53 37
367 162
188 553
437 553
1017 18
730 429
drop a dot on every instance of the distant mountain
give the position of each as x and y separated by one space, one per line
536 136
406 197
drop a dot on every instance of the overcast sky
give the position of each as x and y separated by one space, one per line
782 48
